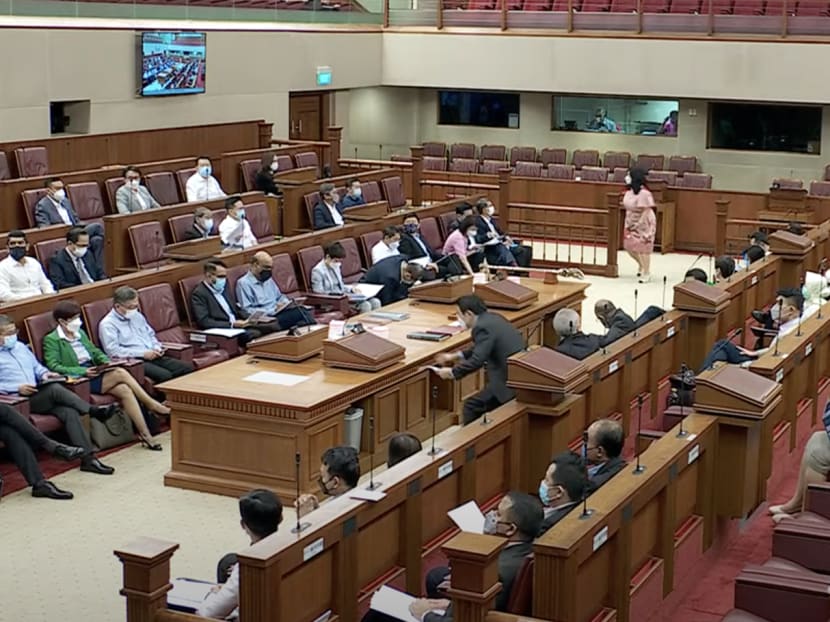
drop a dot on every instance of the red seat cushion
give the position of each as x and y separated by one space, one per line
206 358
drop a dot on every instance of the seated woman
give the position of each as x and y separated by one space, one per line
462 244
402 446
67 350
264 179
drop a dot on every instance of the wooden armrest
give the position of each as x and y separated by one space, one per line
339 302
206 341
818 499
180 351
18 402
80 387
175 346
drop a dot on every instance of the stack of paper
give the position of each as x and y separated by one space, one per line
393 603
188 594
468 517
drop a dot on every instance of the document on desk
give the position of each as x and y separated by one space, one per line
224 332
188 594
364 494
366 289
468 517
393 603
272 377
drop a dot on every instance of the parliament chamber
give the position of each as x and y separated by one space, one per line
432 111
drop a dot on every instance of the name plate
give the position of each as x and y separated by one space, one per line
694 453
313 549
445 469
613 367
670 332
808 349
600 537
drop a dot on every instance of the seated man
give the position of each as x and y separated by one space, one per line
562 488
339 473
759 238
235 230
573 342
21 276
202 185
202 225
354 195
213 307
55 209
396 274
260 512
74 265
132 196
327 279
257 292
499 249
603 445
21 438
401 447
695 274
125 333
22 374
413 245
388 245
616 321
724 268
327 213
754 253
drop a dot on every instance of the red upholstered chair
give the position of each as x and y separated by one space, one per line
722 7
748 7
5 171
655 6
616 159
492 152
351 268
492 167
550 155
791 184
163 186
45 250
32 161
434 163
466 151
93 313
595 6
521 594
561 171
618 175
683 164
445 222
87 200
528 169
522 154
179 225
435 150
310 200
623 6
230 346
307 159
585 157
234 274
260 220
393 191
285 277
593 173
249 169
307 258
696 180
181 179
812 8
464 165
30 200
285 162
371 192
650 162
481 5
432 234
111 186
367 241
670 177
777 7
147 240
820 188
561 6
685 6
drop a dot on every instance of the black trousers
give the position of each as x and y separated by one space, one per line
166 368
522 254
22 439
476 405
55 399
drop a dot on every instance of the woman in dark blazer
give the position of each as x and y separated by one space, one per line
67 350
264 180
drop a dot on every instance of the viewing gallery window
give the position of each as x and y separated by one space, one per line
618 115
765 127
481 108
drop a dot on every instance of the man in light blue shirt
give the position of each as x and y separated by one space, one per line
125 333
22 374
258 292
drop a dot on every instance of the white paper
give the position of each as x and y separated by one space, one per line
224 332
336 329
468 517
393 603
366 495
271 377
188 593
479 277
366 289
421 261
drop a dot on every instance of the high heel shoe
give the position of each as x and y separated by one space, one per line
149 445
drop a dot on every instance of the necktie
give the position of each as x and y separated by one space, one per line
81 268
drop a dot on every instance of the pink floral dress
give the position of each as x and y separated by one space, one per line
640 222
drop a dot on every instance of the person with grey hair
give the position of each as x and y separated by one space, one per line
572 341
125 333
616 321
604 441
327 213
202 225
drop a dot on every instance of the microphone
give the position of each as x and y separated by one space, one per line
158 249
380 152
372 483
699 257
801 312
532 334
778 331
586 512
355 153
307 318
435 450
639 469
299 527
681 433
635 311
663 315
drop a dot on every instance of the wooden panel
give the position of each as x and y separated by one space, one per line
382 537
390 407
644 537
309 588
437 500
417 401
687 485
594 580
492 471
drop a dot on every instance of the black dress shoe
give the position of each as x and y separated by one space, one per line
93 465
68 453
102 413
48 490
760 316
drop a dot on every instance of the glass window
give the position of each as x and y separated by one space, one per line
765 127
623 115
486 109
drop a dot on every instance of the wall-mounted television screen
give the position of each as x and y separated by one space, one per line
172 63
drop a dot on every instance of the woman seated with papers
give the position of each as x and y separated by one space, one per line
462 244
327 279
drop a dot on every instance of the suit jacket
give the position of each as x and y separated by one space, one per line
605 472
63 273
387 272
197 234
125 203
511 559
621 324
556 515
482 229
322 216
578 346
208 313
47 214
494 339
264 182
412 250
60 357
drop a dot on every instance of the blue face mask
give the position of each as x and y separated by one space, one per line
219 284
10 341
544 493
241 212
205 171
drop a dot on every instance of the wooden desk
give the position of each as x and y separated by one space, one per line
245 434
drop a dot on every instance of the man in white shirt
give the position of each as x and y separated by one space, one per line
388 246
21 276
202 185
261 513
234 230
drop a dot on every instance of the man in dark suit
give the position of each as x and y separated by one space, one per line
562 488
616 321
412 243
74 265
572 341
213 307
202 226
327 213
603 445
397 274
55 209
499 249
494 340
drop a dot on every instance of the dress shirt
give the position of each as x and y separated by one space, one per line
123 337
23 280
236 233
255 295
788 327
62 212
223 604
382 250
203 188
336 216
420 242
220 298
492 229
18 365
80 350
327 279
83 273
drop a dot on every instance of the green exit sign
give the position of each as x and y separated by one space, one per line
323 76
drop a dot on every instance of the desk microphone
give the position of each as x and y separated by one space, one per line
435 450
699 257
778 331
372 483
299 527
636 293
307 317
355 153
158 249
801 311
586 511
639 469
682 432
663 315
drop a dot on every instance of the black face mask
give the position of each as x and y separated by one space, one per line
17 253
264 275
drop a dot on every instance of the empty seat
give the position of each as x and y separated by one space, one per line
464 165
481 5
393 191
446 223
431 233
820 188
249 169
307 159
285 163
111 186
696 180
351 268
790 184
87 200
260 220
593 173
492 167
164 188
778 7
561 6
32 161
623 6
722 7
367 242
670 177
46 249
585 157
618 176
371 192
812 8
650 162
522 154
595 6
550 155
147 240
492 152
616 159
437 150
5 171
655 6
683 164
748 7
685 6
528 169
434 163
30 199
561 171
539 5
462 150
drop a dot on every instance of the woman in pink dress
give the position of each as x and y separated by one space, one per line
640 222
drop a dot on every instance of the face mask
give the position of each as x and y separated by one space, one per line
472 233
324 486
60 195
74 325
240 213
130 313
490 210
394 245
264 275
628 180
775 312
17 253
357 192
133 183
219 284
411 228
79 251
544 493
207 224
205 171
275 166
336 265
335 197
9 341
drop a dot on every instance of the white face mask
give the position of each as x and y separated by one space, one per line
357 192
394 245
74 325
490 210
472 233
775 312
130 313
335 198
133 183
275 166
80 251
207 224
60 195
628 180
